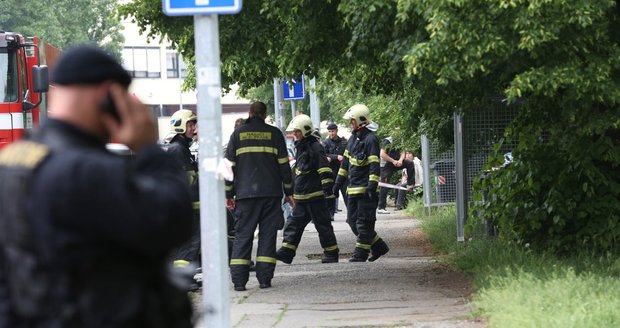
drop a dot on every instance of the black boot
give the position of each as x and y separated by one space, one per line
378 249
285 255
330 257
359 255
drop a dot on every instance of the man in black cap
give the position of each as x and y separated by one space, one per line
334 148
85 234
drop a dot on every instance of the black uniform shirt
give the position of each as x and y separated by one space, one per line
105 221
260 161
361 163
313 178
333 148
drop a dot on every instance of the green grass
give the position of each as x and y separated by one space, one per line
517 287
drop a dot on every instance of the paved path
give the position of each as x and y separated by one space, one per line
408 287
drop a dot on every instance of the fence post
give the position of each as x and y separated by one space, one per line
461 183
426 168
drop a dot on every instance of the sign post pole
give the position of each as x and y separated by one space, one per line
215 294
213 231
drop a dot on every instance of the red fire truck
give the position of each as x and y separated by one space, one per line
22 80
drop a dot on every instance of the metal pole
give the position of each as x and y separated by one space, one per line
278 103
293 109
180 81
315 111
215 294
461 184
426 168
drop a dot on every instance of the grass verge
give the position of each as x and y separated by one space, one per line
517 287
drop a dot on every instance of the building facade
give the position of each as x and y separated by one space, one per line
158 73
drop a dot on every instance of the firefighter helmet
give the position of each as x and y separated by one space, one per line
301 122
178 121
360 113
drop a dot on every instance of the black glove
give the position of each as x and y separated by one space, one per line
336 189
371 193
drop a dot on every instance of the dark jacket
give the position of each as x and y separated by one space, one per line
179 147
333 148
101 228
260 162
313 178
360 164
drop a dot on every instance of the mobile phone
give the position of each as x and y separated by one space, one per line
108 106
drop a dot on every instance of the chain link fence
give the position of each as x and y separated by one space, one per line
439 173
450 171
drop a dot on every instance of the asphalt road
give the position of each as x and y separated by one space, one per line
408 287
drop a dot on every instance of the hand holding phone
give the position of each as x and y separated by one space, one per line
129 122
109 107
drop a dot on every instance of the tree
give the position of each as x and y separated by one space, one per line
418 61
559 62
66 22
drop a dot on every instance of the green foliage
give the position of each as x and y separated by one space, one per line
563 300
517 286
559 61
416 62
65 23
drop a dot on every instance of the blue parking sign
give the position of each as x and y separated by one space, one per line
295 89
198 7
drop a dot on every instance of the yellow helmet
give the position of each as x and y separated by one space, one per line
302 123
360 113
178 121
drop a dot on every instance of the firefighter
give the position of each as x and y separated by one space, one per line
183 127
86 235
261 170
334 147
313 183
361 167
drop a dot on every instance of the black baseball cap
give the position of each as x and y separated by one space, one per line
332 126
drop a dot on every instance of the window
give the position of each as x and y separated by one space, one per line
8 77
173 60
142 62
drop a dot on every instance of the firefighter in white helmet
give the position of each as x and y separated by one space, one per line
313 183
360 167
183 127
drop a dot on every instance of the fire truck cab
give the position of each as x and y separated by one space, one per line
22 80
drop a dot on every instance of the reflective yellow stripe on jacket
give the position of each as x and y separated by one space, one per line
308 196
257 149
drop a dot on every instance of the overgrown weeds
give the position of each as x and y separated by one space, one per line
518 287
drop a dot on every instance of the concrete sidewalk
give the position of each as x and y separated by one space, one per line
407 287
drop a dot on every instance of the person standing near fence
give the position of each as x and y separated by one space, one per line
360 167
392 160
262 173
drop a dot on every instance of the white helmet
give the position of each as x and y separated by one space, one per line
301 122
178 121
360 113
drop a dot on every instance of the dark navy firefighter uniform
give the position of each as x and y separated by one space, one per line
261 175
313 182
179 148
333 148
85 234
361 167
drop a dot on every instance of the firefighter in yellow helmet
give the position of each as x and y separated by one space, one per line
361 167
313 184
183 127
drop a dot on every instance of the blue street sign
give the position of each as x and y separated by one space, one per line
295 90
200 7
